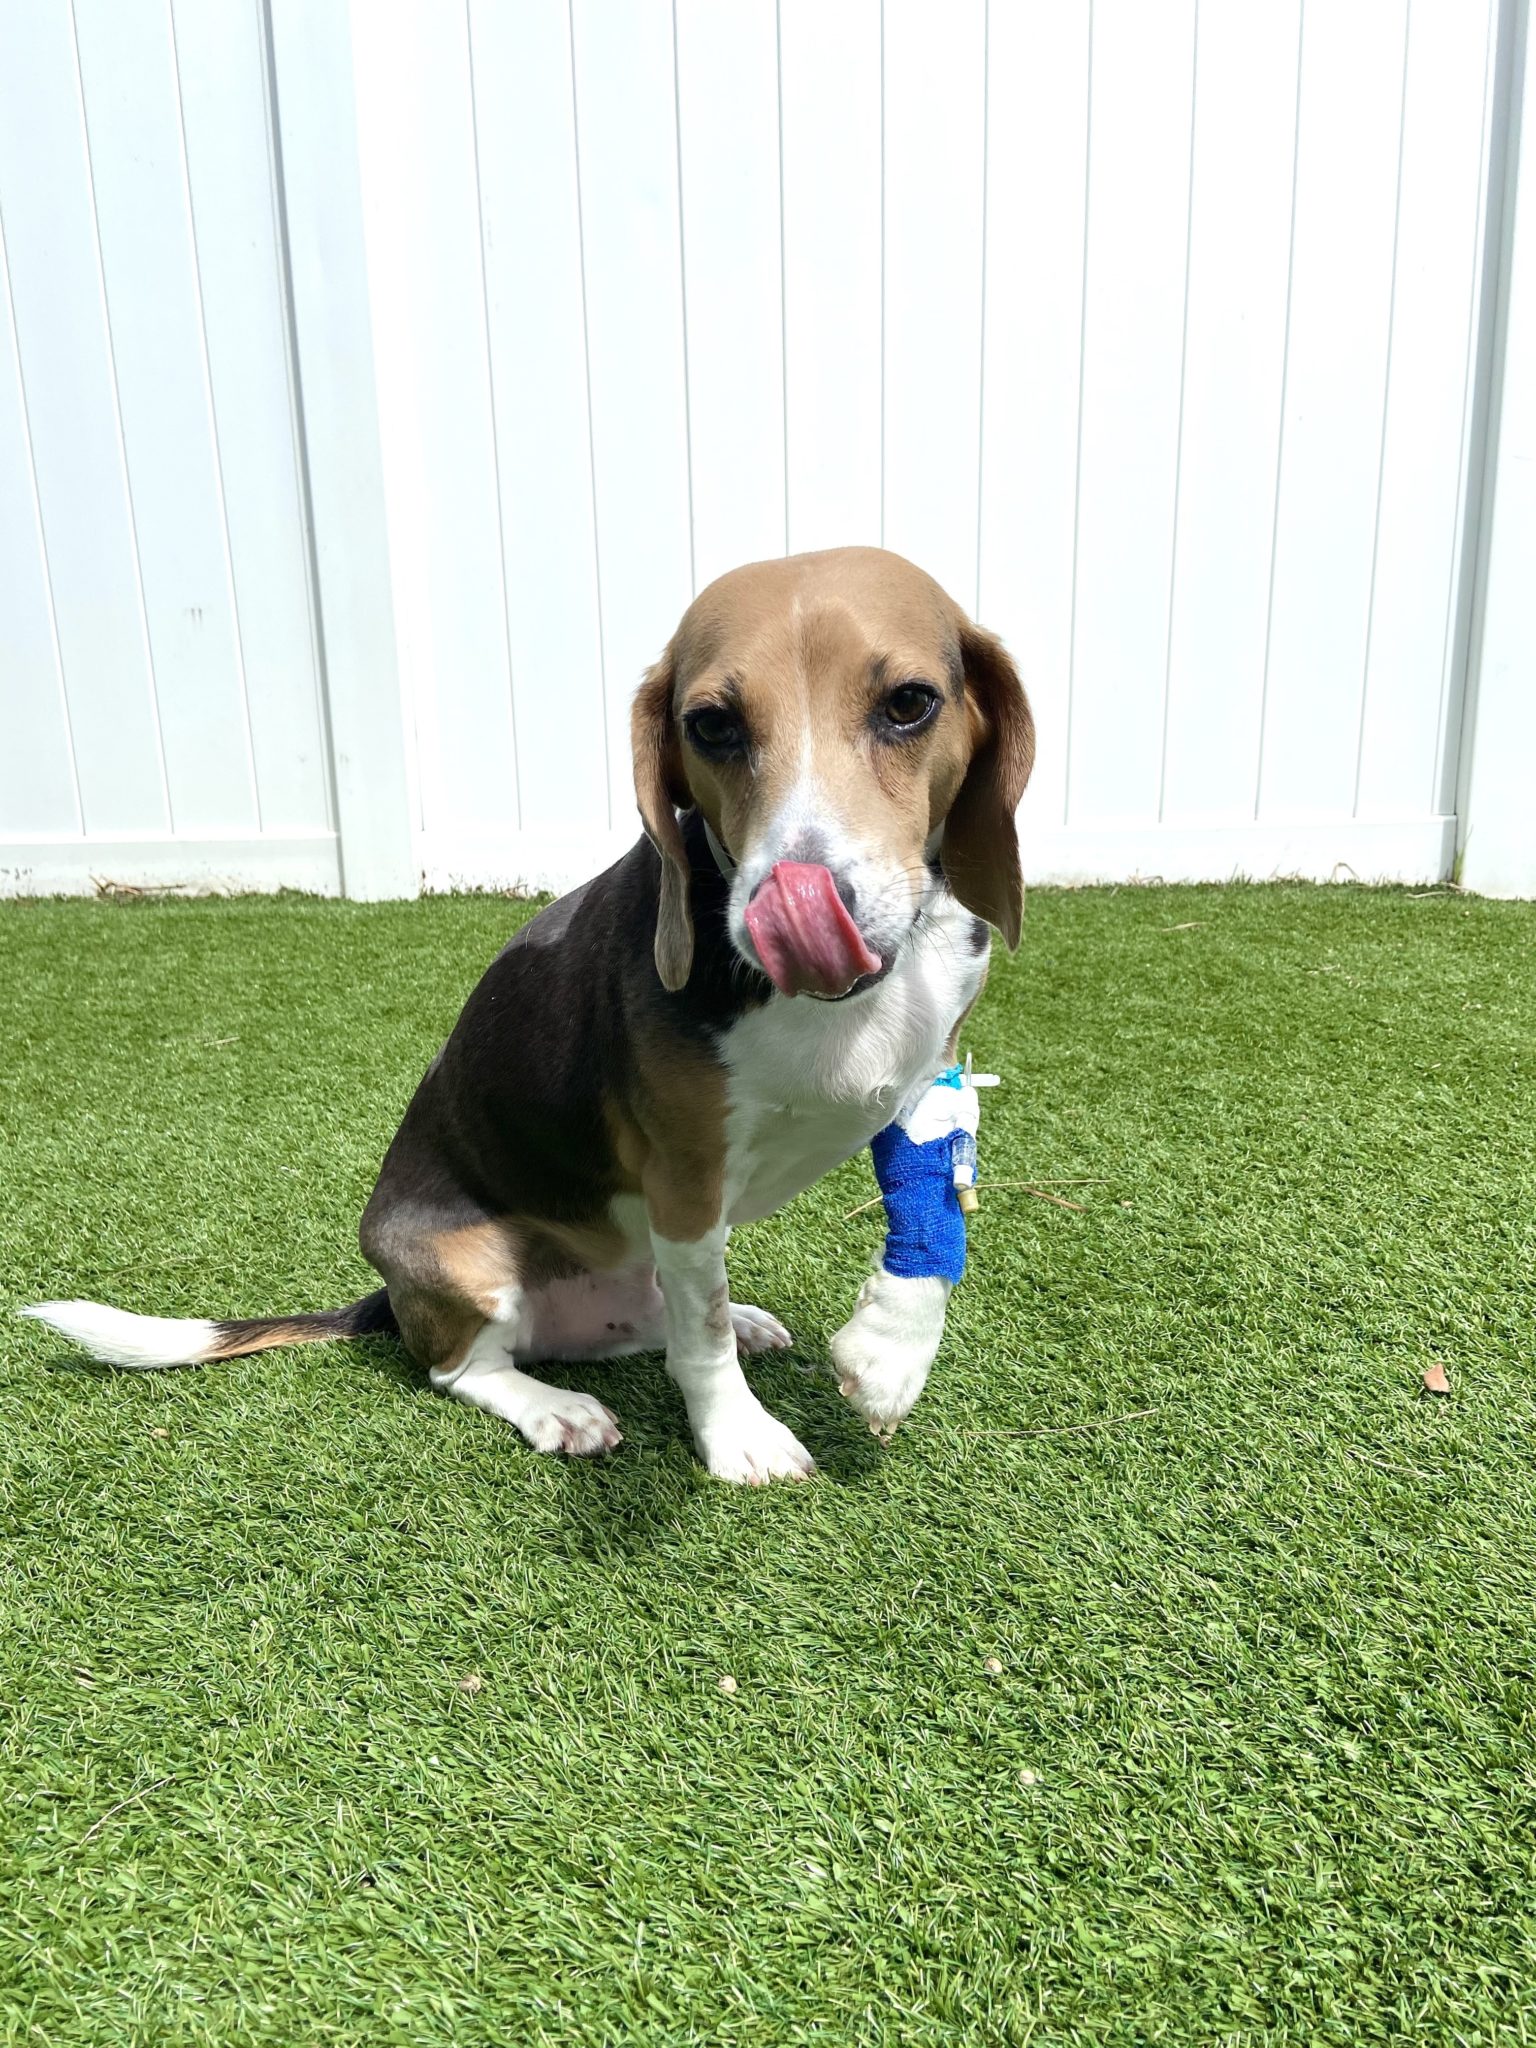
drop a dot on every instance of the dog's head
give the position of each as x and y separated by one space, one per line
837 720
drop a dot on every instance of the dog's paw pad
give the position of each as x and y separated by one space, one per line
756 1330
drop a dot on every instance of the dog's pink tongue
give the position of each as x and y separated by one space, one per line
803 934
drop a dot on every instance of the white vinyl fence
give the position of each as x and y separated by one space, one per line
377 384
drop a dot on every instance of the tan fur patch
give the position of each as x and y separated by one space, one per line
474 1265
472 1268
717 1315
477 1264
670 1136
436 1331
562 1249
266 1333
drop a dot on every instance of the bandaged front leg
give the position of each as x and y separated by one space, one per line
923 1161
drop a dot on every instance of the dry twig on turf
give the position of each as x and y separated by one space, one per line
1030 1187
133 1797
1066 1428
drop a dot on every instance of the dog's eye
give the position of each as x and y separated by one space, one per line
715 731
911 705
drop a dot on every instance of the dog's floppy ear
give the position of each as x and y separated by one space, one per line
662 792
981 846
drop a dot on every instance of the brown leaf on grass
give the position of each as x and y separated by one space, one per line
1435 1381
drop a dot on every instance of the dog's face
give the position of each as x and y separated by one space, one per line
837 719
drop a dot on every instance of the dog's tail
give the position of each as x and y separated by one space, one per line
118 1338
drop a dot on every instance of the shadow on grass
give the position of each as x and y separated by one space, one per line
644 1496
799 1392
650 1495
380 1354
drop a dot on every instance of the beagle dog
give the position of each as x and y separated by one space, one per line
828 758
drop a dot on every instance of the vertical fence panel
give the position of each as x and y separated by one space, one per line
66 364
830 56
417 137
133 122
221 66
531 241
1498 840
728 137
934 168
626 124
1243 175
1037 154
1133 315
1348 133
37 783
314 64
1422 501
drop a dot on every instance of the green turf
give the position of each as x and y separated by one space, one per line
1258 1764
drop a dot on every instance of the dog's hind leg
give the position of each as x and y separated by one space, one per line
550 1418
472 1350
756 1330
475 1360
468 1314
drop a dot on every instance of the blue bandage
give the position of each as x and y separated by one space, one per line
925 1230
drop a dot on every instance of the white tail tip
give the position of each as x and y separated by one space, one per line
118 1338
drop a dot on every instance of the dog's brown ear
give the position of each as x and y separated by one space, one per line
662 792
981 845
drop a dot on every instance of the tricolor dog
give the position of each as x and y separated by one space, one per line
828 758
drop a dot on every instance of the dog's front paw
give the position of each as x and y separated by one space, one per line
743 1443
883 1353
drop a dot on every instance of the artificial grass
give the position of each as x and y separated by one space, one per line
1257 1765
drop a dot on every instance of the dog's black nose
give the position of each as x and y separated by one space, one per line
808 849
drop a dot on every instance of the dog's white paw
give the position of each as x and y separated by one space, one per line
756 1330
550 1418
743 1443
883 1353
572 1424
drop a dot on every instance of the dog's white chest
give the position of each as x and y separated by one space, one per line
810 1083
